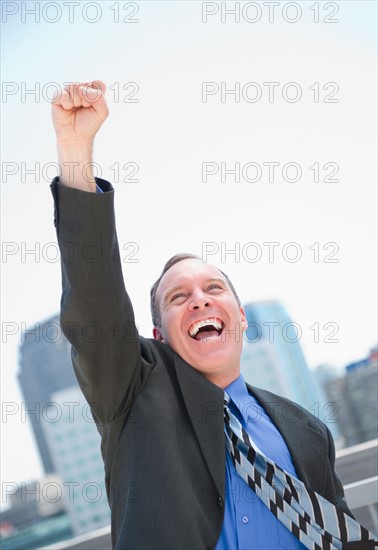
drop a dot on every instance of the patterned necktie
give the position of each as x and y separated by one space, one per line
315 521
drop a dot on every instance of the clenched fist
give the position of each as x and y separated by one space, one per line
78 113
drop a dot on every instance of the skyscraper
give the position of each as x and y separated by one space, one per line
67 437
272 356
45 368
356 392
75 448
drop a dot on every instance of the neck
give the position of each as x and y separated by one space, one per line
223 380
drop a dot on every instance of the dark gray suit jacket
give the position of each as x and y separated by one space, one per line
161 422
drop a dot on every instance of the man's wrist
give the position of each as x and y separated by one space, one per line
76 165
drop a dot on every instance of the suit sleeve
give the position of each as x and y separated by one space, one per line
96 313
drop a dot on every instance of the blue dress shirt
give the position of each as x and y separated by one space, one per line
248 524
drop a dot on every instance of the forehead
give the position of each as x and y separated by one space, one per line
186 272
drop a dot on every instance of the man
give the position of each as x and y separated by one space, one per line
159 403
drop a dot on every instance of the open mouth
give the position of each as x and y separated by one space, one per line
206 329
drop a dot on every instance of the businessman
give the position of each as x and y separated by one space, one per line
194 457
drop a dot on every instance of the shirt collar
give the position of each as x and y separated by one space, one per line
238 392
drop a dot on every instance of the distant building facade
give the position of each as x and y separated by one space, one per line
272 356
273 359
45 367
356 394
74 443
66 435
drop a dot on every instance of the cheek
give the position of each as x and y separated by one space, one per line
171 326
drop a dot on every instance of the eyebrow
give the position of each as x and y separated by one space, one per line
180 287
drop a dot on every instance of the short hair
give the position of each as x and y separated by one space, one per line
155 309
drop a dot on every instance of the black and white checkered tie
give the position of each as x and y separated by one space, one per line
315 521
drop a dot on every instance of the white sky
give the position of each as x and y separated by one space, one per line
170 132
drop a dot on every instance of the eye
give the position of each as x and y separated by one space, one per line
214 286
177 296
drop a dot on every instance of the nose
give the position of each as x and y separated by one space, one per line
199 301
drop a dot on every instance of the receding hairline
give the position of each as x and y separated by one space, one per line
222 276
163 299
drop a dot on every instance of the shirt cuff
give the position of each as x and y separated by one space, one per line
102 186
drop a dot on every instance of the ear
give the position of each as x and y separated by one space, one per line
156 331
243 319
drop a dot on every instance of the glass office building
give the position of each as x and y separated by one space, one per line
45 367
75 447
272 356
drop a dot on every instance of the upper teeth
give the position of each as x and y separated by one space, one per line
208 322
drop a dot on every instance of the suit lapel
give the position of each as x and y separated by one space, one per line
204 402
305 440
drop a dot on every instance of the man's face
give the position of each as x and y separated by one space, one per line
201 319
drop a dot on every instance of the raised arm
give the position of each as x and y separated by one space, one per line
96 313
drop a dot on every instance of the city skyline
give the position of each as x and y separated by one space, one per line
51 325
